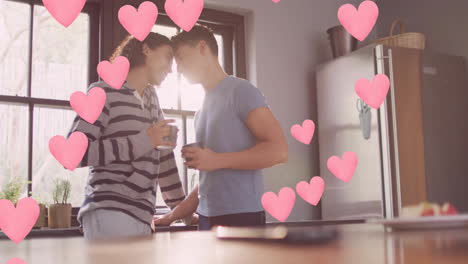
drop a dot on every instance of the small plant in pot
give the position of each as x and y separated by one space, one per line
60 212
13 190
41 220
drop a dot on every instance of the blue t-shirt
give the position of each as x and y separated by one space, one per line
221 126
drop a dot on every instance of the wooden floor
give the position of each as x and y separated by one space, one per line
358 243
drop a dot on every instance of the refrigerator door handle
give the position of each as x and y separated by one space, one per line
389 196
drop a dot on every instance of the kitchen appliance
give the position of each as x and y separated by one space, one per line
418 144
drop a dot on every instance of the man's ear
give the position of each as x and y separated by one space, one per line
145 49
203 47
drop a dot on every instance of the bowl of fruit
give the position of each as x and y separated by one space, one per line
428 209
426 215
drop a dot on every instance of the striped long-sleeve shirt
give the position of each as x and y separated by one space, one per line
125 169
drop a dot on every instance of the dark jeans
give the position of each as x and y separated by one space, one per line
244 219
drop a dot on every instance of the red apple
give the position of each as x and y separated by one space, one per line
449 209
427 209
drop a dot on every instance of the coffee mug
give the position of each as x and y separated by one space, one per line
172 138
196 144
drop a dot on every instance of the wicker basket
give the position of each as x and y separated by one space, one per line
404 40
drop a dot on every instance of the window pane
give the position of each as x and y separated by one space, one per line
219 40
192 95
177 154
49 122
192 175
168 91
165 30
60 62
14 47
14 142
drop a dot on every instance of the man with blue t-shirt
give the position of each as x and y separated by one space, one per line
239 134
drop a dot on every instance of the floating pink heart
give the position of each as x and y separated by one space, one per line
280 206
312 192
305 133
184 13
90 106
65 12
69 152
373 93
276 1
139 23
16 261
344 168
17 222
114 73
359 23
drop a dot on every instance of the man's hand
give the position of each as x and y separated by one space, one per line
194 219
203 159
165 220
158 131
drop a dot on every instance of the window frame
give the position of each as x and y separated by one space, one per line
105 34
92 9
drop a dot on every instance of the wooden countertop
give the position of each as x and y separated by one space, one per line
358 243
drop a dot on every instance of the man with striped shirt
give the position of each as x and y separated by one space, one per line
126 167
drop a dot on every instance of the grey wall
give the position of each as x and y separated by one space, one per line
445 23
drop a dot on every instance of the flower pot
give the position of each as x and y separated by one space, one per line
41 220
60 215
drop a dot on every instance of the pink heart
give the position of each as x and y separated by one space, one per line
344 168
312 192
184 13
279 207
65 12
359 23
90 106
17 222
305 133
69 152
139 23
276 1
114 73
373 93
16 261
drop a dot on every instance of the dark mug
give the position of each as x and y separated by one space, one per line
196 144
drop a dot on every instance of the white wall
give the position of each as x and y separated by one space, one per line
285 41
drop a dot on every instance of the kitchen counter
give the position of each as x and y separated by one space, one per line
75 231
357 243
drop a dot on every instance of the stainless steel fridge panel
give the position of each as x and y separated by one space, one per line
340 131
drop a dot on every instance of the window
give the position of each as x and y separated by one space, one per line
180 100
41 64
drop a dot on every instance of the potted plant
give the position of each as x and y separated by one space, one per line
13 190
41 220
60 211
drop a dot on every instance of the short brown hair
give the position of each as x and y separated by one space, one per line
196 34
132 48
